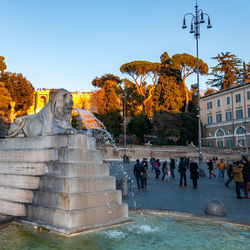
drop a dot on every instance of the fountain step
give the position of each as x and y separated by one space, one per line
12 208
77 185
46 155
23 168
79 154
76 201
19 181
77 169
76 218
54 141
16 195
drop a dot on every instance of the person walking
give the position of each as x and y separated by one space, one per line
152 162
230 174
211 168
221 165
144 174
246 175
166 173
238 178
164 166
138 174
182 170
194 174
157 168
172 167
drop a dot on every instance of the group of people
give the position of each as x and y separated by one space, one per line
238 171
168 172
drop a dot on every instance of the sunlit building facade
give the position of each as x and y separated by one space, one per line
80 99
225 117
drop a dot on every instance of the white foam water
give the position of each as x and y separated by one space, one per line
94 127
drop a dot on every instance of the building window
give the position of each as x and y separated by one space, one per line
210 143
240 131
209 119
228 100
241 142
209 105
238 98
229 143
218 117
248 95
219 132
220 144
239 114
218 103
228 115
248 111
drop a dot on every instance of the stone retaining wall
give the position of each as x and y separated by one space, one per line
165 152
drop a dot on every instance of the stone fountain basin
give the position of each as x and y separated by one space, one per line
151 229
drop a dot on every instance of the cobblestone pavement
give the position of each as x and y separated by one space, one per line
169 196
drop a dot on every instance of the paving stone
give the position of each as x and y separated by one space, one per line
169 196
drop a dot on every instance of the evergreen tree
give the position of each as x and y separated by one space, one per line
140 71
226 72
107 98
133 99
186 65
139 126
168 95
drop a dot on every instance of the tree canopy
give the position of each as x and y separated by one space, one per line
226 72
139 126
186 65
21 91
107 98
140 71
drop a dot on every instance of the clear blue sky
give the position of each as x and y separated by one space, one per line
67 43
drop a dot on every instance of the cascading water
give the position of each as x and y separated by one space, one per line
94 126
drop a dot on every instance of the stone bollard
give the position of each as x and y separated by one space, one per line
125 159
122 184
215 208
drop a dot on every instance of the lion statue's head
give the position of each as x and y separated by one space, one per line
61 104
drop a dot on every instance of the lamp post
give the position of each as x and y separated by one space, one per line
196 20
245 108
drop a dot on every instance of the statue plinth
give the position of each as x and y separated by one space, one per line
59 182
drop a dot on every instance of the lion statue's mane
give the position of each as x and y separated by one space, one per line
54 118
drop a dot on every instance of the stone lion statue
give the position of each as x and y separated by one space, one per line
54 118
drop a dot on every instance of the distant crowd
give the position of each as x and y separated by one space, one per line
239 171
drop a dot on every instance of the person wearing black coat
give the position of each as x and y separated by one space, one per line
246 175
138 174
172 167
182 170
194 173
230 174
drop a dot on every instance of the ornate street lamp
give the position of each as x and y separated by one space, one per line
196 20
